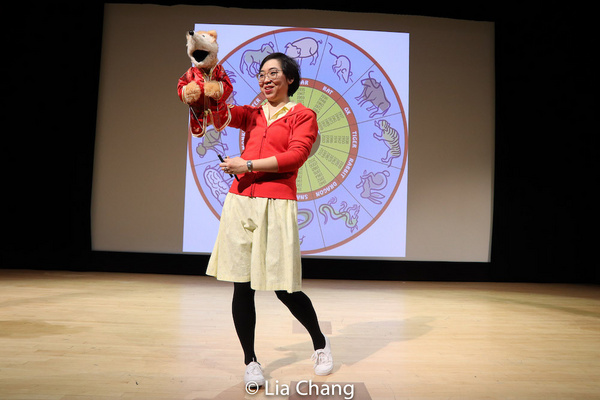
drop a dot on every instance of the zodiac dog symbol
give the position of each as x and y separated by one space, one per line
251 58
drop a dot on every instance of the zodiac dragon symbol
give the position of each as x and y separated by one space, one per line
348 214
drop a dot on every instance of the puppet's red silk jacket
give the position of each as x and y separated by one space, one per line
289 139
207 111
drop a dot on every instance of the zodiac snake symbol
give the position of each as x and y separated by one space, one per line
348 214
305 217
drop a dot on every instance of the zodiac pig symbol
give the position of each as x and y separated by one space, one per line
303 48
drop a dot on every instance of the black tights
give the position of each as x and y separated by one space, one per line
244 316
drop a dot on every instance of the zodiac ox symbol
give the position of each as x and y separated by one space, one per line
373 93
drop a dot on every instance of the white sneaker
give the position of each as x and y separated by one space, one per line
254 375
323 359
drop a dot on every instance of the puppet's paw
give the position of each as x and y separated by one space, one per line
192 93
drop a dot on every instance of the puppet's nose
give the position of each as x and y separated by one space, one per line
191 33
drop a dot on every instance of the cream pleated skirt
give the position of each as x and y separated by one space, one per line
258 242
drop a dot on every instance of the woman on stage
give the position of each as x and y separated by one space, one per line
258 246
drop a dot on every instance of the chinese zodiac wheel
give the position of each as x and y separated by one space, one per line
359 159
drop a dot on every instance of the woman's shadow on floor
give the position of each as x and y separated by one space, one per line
359 341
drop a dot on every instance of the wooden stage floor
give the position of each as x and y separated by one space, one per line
88 335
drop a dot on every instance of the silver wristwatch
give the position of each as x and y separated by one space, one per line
249 165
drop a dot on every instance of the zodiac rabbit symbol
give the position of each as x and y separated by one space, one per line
371 183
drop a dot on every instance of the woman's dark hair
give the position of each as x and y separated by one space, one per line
290 69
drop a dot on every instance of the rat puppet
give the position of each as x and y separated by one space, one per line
205 86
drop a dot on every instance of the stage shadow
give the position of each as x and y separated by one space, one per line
363 339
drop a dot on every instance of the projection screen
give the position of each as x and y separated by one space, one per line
359 199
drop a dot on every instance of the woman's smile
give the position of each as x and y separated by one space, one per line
274 87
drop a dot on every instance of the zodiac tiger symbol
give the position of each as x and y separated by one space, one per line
391 138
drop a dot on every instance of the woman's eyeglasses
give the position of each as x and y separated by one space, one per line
271 74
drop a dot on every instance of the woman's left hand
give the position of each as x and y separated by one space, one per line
236 165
